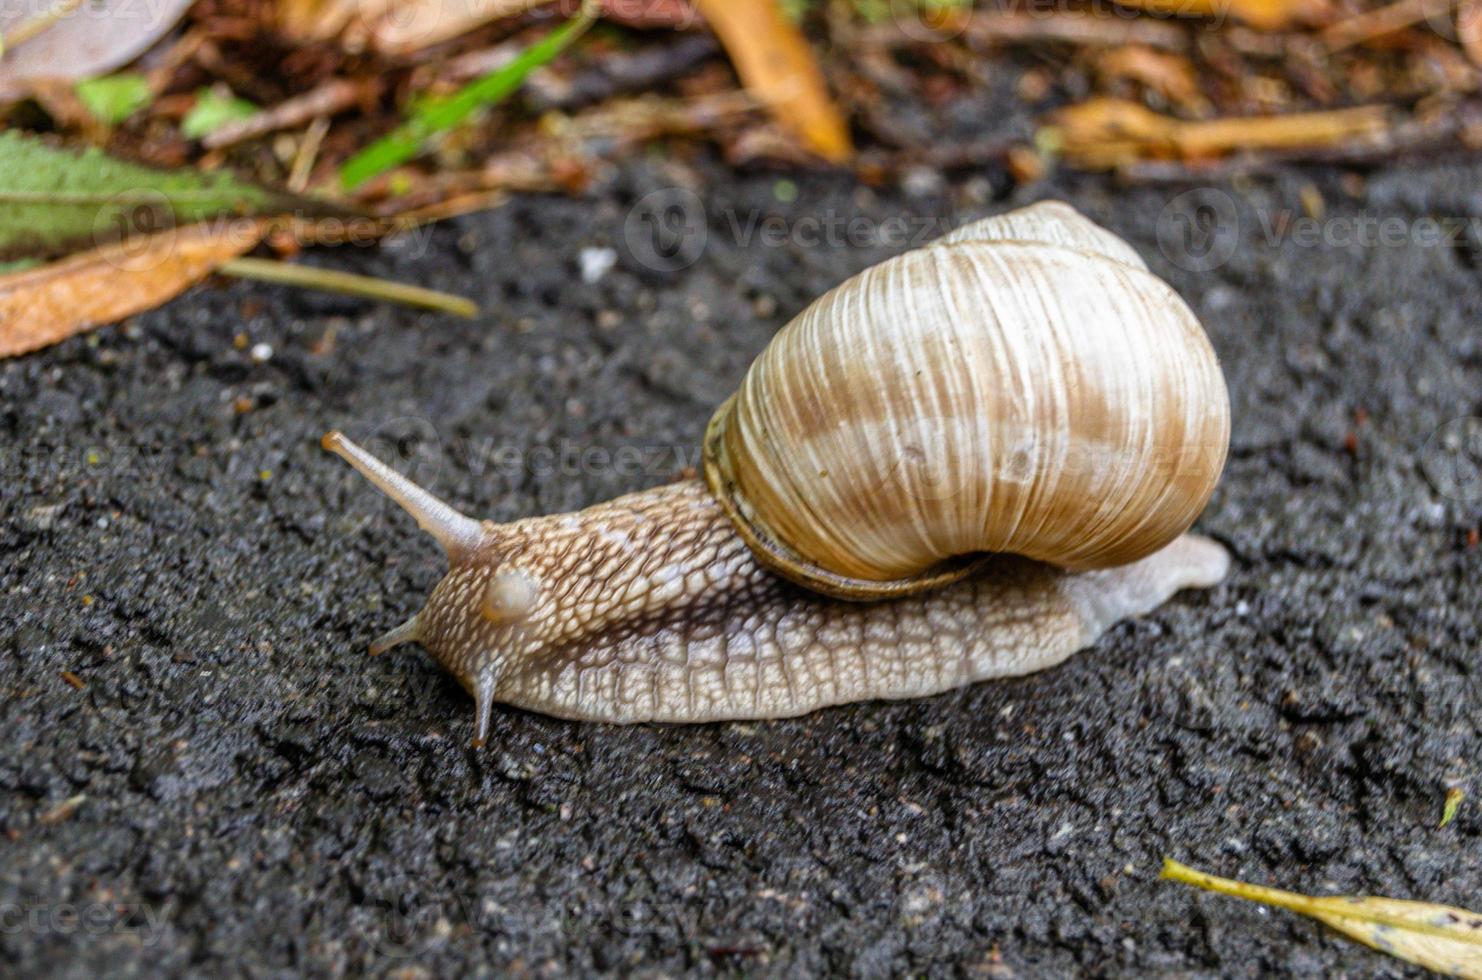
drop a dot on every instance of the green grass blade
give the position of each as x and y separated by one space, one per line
407 140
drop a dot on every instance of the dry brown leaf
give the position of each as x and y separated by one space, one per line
50 303
90 40
319 20
408 25
778 68
1107 133
1266 15
400 27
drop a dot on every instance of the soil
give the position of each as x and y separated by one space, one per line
203 773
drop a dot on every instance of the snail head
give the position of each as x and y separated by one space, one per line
483 610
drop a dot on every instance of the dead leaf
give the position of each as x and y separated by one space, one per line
778 68
1439 937
412 24
43 305
1266 15
400 27
91 40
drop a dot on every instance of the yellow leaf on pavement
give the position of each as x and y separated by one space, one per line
1439 937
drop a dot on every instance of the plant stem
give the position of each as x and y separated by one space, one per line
330 280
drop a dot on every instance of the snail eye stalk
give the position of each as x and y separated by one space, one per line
459 535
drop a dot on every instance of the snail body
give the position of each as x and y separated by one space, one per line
964 463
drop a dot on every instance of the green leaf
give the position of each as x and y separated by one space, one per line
214 109
55 201
441 115
1440 937
114 98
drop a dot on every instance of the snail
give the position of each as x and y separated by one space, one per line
965 462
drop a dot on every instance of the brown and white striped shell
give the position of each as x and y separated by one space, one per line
1022 385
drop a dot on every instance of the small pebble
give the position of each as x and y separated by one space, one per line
922 182
261 353
595 263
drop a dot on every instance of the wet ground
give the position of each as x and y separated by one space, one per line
202 772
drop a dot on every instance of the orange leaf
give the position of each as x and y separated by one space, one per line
44 305
777 66
1266 15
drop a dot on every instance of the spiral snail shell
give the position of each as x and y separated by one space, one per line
1021 387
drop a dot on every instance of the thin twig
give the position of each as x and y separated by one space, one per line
333 96
334 281
452 207
28 29
999 28
308 152
1433 137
